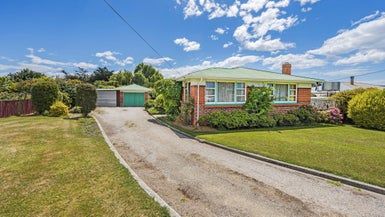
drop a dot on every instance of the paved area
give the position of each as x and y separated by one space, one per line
200 180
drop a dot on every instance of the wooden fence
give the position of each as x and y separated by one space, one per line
15 107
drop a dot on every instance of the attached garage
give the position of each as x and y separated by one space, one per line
133 95
126 96
106 98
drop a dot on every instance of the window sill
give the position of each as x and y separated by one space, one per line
225 104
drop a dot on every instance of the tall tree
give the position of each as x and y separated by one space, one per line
149 72
101 74
24 75
139 79
121 78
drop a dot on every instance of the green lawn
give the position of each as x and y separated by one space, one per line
343 150
60 167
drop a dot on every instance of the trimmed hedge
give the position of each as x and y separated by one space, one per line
368 109
342 99
44 93
86 98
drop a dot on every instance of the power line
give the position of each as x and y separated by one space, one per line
137 33
369 73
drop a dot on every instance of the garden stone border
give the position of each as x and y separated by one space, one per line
329 176
141 183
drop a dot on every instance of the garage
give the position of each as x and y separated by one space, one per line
133 95
106 98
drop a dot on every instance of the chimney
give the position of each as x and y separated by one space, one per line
352 80
286 68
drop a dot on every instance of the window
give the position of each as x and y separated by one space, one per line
225 92
240 92
284 92
210 92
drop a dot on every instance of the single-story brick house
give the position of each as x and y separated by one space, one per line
226 88
125 96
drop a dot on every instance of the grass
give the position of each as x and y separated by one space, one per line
61 167
343 150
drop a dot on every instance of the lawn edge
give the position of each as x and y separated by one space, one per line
325 175
140 181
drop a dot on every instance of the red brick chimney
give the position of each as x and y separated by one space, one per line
286 68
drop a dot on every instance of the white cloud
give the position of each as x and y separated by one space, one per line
306 9
157 61
366 36
299 61
187 44
214 37
6 58
191 9
304 2
367 18
233 61
220 31
85 65
41 50
111 56
228 44
374 56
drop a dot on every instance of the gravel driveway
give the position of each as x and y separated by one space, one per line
200 180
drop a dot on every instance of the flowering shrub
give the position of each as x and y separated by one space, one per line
335 116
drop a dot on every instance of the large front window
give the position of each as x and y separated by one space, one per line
284 92
225 92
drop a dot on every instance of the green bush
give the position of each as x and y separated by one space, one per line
259 100
86 98
306 114
284 120
261 121
186 111
65 98
342 99
44 93
368 109
226 120
153 111
58 109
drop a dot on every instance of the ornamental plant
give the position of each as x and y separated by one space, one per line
58 109
259 100
44 93
368 109
86 98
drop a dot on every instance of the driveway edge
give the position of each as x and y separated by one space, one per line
141 183
346 181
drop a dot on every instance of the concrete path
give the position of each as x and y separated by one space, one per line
200 180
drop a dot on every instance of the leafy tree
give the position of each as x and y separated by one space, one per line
101 74
80 74
170 91
150 73
25 74
86 98
44 93
69 87
121 78
259 100
139 79
6 84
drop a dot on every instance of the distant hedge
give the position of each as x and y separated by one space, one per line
368 109
43 94
86 97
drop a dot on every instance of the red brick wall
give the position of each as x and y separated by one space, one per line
303 98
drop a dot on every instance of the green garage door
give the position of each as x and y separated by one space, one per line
133 100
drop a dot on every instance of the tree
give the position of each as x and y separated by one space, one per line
259 100
86 98
44 93
80 74
150 73
170 91
101 74
139 79
24 75
121 78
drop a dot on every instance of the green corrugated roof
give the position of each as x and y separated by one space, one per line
244 74
134 88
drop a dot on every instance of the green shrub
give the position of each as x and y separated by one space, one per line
86 98
65 98
186 111
259 100
44 93
342 99
286 120
226 120
58 109
261 121
76 110
368 109
306 114
69 87
153 111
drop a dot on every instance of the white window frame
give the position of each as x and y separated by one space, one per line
272 85
234 102
244 91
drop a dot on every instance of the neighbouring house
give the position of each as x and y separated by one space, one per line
226 88
329 88
125 96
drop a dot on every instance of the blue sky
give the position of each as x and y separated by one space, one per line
323 39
